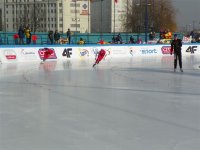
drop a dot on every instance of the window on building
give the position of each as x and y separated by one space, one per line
74 5
75 25
75 11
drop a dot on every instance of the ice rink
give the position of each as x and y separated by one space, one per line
121 104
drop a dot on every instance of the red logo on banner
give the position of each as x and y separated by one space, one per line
166 49
10 54
42 52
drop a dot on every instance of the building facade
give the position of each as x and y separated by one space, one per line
45 15
108 15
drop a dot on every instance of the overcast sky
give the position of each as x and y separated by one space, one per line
188 13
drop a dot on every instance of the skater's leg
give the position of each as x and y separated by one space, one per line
180 62
175 61
94 64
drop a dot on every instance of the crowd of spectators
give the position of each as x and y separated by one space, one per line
25 36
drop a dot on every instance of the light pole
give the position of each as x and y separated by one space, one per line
88 21
49 15
5 22
101 18
34 18
146 21
76 14
16 16
127 21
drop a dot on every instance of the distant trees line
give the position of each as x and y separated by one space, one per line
159 14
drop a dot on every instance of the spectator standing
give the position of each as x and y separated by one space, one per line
28 34
151 36
139 41
50 36
16 37
69 36
131 41
34 39
57 37
21 34
119 39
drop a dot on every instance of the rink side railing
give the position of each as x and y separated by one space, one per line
68 52
7 38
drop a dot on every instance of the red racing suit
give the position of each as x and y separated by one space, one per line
100 56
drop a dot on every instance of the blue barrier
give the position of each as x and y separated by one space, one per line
6 38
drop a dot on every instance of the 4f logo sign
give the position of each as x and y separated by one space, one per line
191 49
67 52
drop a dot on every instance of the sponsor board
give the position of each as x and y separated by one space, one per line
67 52
191 49
119 51
148 51
42 51
10 54
133 51
27 54
83 52
166 50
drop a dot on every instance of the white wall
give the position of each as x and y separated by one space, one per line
67 52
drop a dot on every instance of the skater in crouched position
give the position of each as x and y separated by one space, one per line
176 45
100 55
47 54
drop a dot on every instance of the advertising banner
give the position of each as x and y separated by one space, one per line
67 52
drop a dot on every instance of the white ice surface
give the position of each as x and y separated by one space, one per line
126 104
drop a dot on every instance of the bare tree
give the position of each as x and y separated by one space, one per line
160 15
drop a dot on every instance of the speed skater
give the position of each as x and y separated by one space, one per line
101 54
47 54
